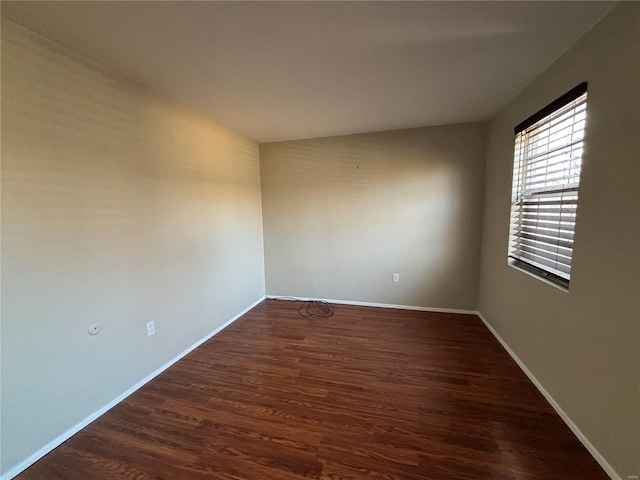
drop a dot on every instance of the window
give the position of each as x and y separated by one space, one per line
546 176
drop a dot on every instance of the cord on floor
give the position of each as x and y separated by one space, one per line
311 308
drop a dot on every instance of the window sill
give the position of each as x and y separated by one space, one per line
513 264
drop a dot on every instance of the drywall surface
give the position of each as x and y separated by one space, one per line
582 345
342 214
117 208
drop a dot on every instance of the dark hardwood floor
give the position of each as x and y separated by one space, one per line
367 393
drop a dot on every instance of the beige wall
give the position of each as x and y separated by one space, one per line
583 346
117 208
342 214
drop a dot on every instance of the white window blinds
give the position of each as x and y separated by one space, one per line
546 176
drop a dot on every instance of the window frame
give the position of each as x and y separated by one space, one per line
519 190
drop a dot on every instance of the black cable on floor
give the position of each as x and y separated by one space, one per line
311 308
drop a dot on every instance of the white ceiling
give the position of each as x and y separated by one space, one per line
288 70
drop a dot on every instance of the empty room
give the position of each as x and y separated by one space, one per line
324 239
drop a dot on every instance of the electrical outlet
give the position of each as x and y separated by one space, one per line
151 328
396 278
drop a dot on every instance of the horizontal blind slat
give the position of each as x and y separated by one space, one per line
562 234
559 262
533 247
562 242
543 262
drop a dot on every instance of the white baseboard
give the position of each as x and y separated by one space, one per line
16 469
379 305
574 428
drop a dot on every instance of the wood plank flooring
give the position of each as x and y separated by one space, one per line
367 393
